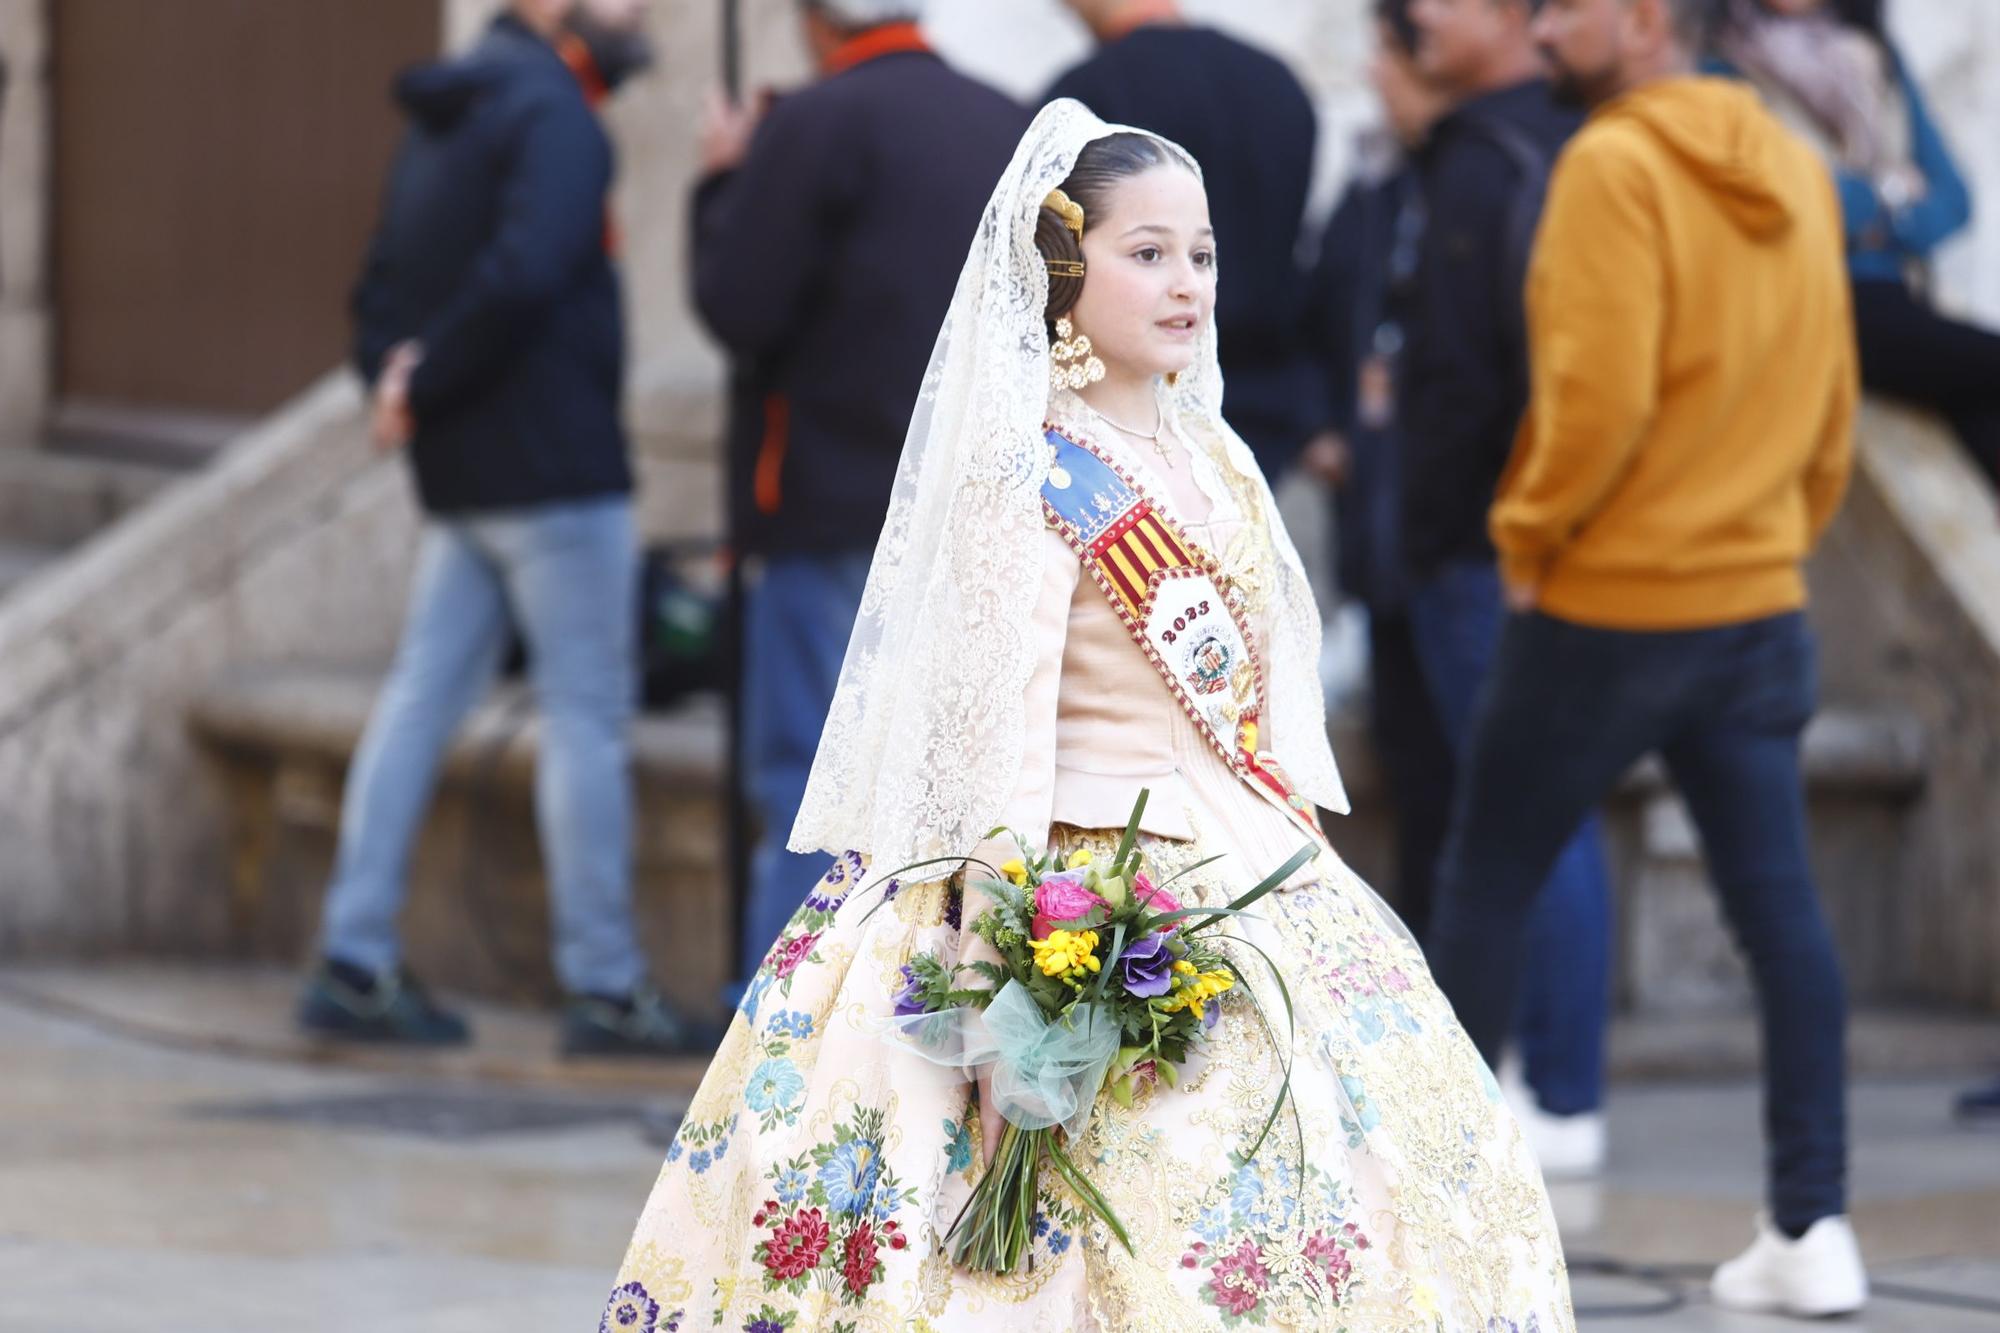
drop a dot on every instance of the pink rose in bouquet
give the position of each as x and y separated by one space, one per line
1062 897
1151 896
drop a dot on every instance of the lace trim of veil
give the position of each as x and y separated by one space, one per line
924 740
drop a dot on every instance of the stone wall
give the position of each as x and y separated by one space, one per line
1906 599
285 549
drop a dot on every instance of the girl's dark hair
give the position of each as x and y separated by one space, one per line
1099 167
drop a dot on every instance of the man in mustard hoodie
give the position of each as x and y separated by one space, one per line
1687 440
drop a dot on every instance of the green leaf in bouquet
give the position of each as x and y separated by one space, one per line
1110 958
1189 870
1291 1021
1131 838
958 861
1263 886
1012 904
1080 1184
1165 919
1046 991
993 972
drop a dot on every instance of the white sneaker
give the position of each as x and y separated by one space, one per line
1566 1147
1818 1274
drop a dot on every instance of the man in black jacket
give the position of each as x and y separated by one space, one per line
829 232
489 327
1367 266
1246 119
1482 173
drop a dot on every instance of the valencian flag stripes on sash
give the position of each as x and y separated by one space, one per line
1172 598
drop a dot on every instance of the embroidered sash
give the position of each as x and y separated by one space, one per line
1174 601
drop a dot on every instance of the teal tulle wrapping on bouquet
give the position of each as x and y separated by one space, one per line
1044 1073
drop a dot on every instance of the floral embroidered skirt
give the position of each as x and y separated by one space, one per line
820 1165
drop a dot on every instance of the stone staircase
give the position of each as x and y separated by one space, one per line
53 499
280 739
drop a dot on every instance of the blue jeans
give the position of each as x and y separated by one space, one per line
566 574
1456 616
1569 710
798 617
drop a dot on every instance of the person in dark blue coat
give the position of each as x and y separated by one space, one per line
1249 123
1828 68
488 325
1482 172
829 230
1361 290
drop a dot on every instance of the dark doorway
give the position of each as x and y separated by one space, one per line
217 165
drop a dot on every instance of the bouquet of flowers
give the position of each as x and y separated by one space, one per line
1105 983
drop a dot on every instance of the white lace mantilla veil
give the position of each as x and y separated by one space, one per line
924 741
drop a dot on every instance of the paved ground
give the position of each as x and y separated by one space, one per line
169 1164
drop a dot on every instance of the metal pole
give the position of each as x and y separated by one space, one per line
737 821
732 49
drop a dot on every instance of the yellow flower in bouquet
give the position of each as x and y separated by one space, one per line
1067 954
1194 989
1015 871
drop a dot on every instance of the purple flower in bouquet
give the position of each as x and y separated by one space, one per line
909 1000
1146 967
1062 897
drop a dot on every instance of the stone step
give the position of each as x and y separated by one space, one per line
56 499
1856 751
279 740
20 560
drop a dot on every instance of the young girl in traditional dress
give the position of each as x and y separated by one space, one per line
1083 589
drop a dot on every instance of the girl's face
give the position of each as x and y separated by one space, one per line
1149 273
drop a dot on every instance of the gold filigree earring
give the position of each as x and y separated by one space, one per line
1071 362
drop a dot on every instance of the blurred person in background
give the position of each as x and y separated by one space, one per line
825 275
489 328
1689 438
1482 174
1830 72
1361 289
1250 124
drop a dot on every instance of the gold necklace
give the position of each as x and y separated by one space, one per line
1151 437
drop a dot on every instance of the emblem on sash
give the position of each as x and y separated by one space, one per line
1172 598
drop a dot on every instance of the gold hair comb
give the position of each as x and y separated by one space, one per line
1069 209
1065 268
